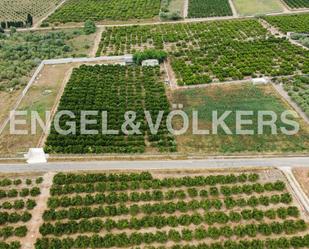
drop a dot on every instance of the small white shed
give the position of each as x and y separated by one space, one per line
128 59
36 155
150 63
262 80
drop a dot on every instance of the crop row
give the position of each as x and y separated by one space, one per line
280 242
74 213
69 178
18 204
290 23
81 10
64 184
10 231
113 89
209 8
210 218
200 233
12 193
10 245
14 217
158 195
298 90
297 3
9 182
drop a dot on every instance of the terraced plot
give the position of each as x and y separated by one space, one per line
113 89
291 23
14 10
209 8
82 10
18 198
184 211
297 3
211 51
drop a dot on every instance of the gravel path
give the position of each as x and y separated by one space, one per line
37 214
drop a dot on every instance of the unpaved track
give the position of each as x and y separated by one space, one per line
96 42
186 8
189 20
235 13
37 214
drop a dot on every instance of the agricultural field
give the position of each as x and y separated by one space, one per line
257 7
209 8
290 23
233 98
116 10
18 202
298 90
295 4
174 210
14 10
211 51
21 52
114 89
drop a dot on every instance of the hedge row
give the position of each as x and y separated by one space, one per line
210 218
124 240
160 208
158 195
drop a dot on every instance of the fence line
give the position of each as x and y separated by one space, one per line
56 62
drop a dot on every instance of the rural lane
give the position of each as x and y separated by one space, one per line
145 165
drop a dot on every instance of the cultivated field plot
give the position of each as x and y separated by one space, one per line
209 8
294 4
211 51
257 7
18 201
15 10
116 10
290 23
172 210
236 97
298 89
21 52
114 89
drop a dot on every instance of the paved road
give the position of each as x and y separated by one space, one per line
197 164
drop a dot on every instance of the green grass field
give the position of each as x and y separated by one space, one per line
231 98
257 7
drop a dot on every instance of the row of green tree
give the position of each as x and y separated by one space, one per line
160 221
76 213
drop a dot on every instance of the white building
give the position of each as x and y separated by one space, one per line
150 63
257 81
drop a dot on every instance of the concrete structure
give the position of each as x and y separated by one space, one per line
260 81
128 59
150 63
36 155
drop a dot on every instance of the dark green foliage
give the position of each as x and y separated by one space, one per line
209 8
149 54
